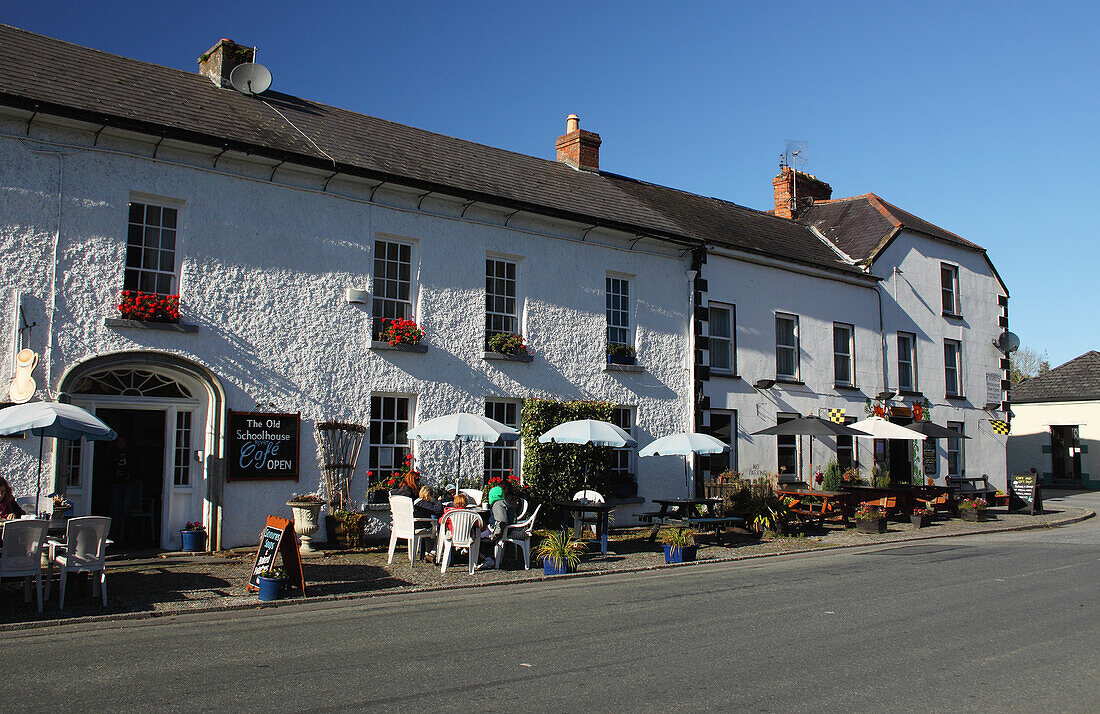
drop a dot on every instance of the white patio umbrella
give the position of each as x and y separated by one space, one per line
589 432
684 444
460 427
61 421
878 428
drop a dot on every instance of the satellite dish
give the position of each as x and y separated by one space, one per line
250 78
1007 342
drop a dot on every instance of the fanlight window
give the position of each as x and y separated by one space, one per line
131 383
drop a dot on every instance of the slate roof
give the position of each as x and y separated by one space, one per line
861 226
1076 381
51 76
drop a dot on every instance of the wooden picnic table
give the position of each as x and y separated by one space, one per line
694 513
892 499
818 504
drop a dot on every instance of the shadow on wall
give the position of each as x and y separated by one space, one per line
1031 451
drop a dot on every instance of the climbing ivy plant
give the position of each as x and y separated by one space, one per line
556 471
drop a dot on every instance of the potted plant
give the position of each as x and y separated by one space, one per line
271 583
401 332
870 519
679 545
560 552
149 307
620 354
193 537
507 343
348 530
921 517
62 510
973 509
305 508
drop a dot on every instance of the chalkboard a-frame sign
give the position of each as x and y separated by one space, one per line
278 539
1024 493
263 446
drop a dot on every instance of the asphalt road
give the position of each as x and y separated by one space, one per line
1001 622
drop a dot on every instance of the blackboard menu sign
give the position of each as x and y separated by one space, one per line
1024 493
263 446
928 451
278 539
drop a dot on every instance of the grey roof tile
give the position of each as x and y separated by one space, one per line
1075 381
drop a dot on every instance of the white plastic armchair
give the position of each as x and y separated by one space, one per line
519 535
474 494
404 527
22 554
460 529
84 551
525 506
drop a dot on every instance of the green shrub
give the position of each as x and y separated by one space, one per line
759 505
556 471
834 477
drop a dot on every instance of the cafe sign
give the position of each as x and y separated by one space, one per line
263 446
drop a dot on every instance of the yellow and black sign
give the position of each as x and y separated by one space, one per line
836 415
999 426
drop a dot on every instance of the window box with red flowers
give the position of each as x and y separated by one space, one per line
509 347
401 335
149 310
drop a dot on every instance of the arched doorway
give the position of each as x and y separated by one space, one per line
155 478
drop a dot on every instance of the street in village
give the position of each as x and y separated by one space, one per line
1004 621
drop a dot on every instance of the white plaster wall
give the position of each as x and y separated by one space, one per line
912 303
759 292
263 275
1031 432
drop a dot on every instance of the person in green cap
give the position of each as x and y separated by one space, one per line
501 516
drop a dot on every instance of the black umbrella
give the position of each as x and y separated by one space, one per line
935 431
809 425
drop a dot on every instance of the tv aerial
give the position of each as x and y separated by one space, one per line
250 78
794 152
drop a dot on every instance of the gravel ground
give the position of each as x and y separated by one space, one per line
177 583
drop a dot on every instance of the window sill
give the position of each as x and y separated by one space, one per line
387 347
501 357
904 393
122 324
611 367
952 316
724 375
847 388
794 382
955 397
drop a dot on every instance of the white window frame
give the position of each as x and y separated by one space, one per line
780 446
134 275
506 450
181 451
624 460
729 339
949 289
510 321
617 309
952 376
380 283
956 450
853 445
793 348
907 359
849 356
397 449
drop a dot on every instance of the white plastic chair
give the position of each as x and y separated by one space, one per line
464 532
474 494
525 505
22 554
404 527
579 519
85 551
519 535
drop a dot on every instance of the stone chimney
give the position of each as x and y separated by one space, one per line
786 187
218 61
578 148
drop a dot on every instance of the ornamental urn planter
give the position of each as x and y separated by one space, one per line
192 541
875 525
680 554
270 588
972 515
306 516
920 521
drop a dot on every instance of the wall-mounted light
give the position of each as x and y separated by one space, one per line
992 406
885 395
764 383
357 296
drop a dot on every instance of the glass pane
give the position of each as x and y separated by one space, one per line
719 354
152 237
840 340
168 239
135 234
152 215
137 213
168 218
840 367
167 261
719 322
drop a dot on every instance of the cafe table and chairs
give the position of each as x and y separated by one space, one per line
818 504
694 513
403 526
586 507
21 556
460 529
84 550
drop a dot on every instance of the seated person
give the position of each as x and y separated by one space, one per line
460 504
410 487
501 516
8 506
426 505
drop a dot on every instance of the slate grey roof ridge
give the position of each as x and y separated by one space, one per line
1075 381
106 88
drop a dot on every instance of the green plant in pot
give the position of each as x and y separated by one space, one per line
620 354
271 583
507 343
560 552
349 534
973 509
679 544
870 519
921 517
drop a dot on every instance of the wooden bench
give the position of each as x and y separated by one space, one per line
971 487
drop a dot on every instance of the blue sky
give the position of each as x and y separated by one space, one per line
979 117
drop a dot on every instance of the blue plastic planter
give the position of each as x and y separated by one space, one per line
270 588
674 554
550 567
193 541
